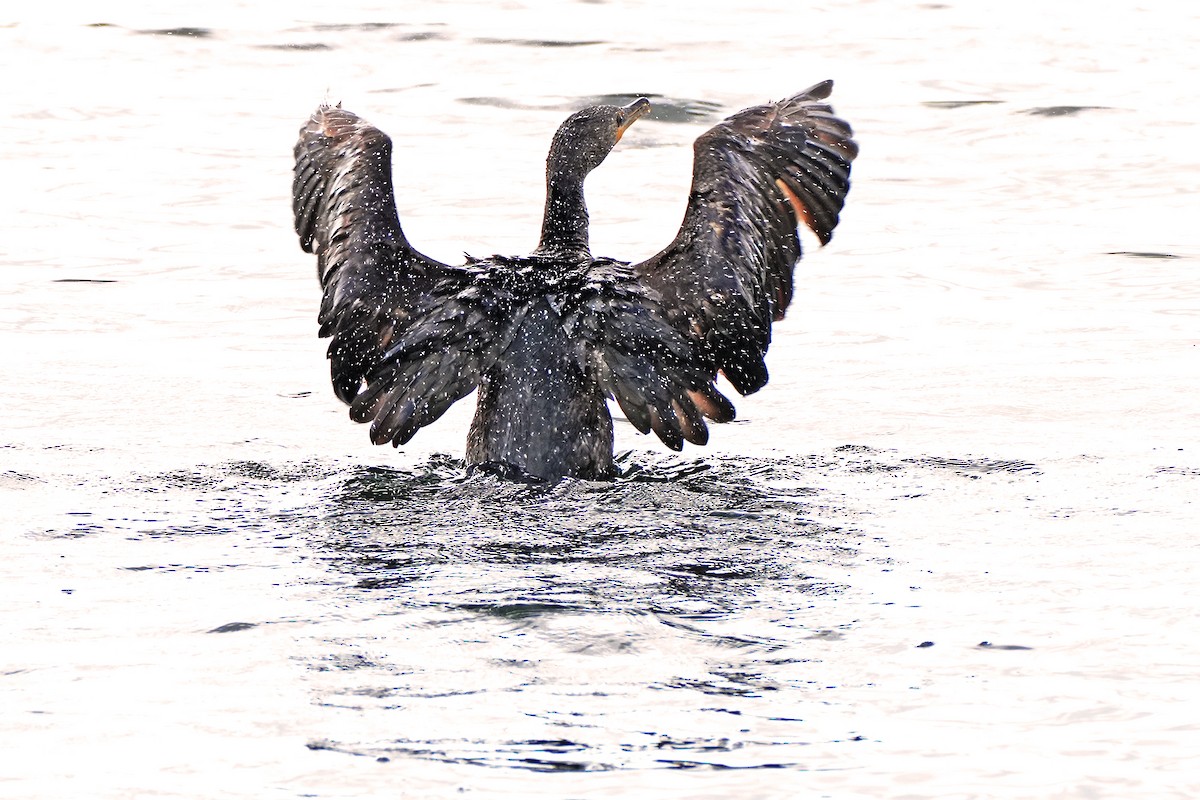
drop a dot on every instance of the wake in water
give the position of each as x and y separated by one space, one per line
679 616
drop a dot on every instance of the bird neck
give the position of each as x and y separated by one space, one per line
565 223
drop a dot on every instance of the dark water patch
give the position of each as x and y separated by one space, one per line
664 472
536 755
990 646
856 448
872 466
364 27
1191 471
1142 254
953 104
420 36
721 745
540 42
376 693
414 693
982 466
856 458
235 474
1061 111
10 478
827 636
234 518
296 46
274 473
519 611
190 569
343 662
693 625
333 30
571 755
185 31
549 765
681 764
718 571
79 530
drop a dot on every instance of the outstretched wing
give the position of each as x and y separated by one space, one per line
345 213
756 176
639 359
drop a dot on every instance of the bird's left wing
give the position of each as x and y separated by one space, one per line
373 281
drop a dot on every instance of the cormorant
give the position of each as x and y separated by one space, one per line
547 338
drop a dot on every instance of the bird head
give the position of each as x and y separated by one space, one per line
588 136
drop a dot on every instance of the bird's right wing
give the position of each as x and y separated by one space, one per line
756 176
374 282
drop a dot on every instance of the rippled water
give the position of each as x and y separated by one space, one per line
947 552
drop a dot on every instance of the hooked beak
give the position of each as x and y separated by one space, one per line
631 114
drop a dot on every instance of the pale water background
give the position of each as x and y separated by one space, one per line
981 426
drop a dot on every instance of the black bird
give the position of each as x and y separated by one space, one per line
547 338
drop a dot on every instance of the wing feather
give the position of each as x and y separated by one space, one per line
441 356
344 209
756 177
639 359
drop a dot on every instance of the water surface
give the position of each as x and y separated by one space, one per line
947 552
